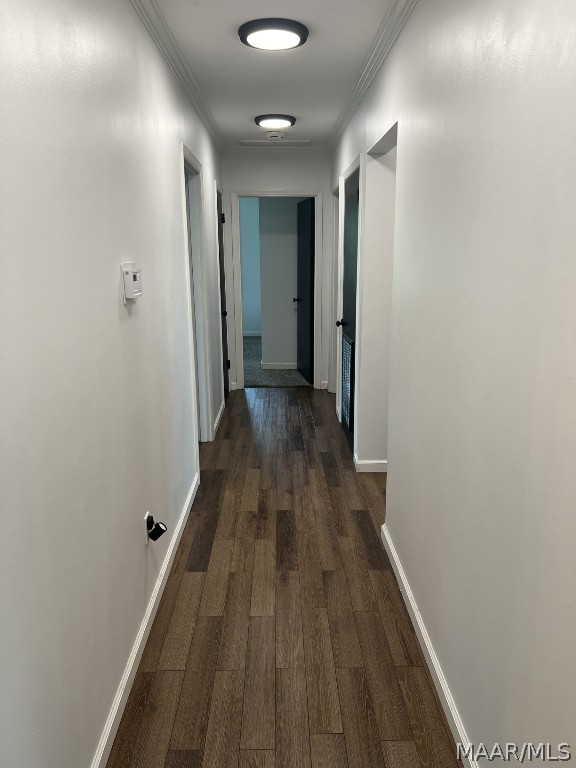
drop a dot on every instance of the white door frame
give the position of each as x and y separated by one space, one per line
198 324
217 188
238 362
332 316
357 164
383 146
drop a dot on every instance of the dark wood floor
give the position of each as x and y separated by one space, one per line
281 640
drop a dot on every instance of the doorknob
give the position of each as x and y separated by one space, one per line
339 323
296 300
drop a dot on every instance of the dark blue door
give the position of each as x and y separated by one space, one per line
305 297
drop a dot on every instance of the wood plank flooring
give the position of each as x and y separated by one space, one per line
282 640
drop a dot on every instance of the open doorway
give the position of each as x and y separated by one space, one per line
375 299
277 260
347 321
194 231
223 309
367 208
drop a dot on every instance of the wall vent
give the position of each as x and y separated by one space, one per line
275 142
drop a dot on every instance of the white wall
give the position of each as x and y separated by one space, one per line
250 264
279 274
278 172
482 432
96 411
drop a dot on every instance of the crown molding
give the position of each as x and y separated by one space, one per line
391 26
388 32
160 33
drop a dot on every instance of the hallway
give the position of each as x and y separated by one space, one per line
281 638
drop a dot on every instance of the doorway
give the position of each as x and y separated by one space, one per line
347 322
375 296
223 310
277 264
194 232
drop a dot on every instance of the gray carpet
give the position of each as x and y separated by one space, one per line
255 376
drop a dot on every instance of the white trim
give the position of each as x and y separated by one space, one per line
392 24
220 318
359 291
228 283
333 297
339 295
390 28
219 416
238 345
233 386
368 465
162 36
318 273
238 362
340 275
444 693
117 709
196 251
279 366
363 377
323 385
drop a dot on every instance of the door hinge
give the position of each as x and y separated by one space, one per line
223 218
228 364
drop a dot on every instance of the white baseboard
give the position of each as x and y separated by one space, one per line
444 693
219 417
117 709
279 366
323 385
365 465
233 386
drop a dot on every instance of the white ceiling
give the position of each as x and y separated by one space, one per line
233 83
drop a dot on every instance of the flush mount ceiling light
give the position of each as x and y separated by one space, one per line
273 34
274 122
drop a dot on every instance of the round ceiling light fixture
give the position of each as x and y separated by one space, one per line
274 122
273 34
